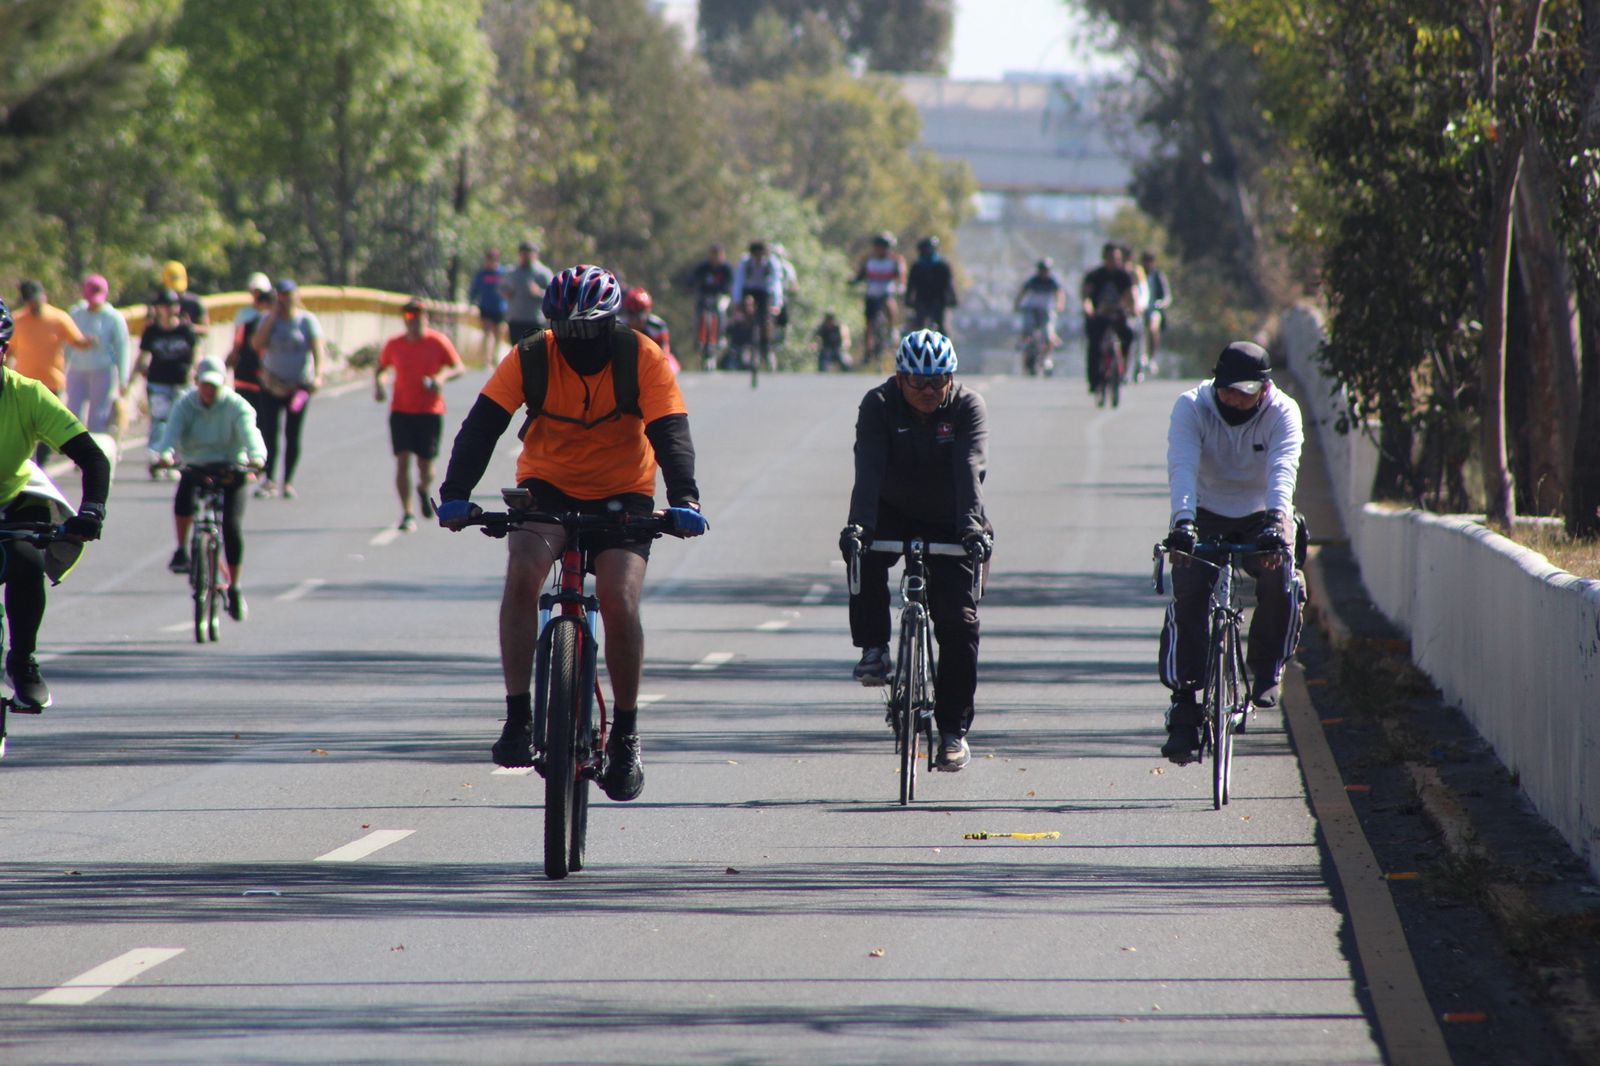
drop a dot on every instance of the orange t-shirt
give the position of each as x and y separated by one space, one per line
599 461
414 360
37 345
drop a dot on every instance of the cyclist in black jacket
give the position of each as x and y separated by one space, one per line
930 287
921 444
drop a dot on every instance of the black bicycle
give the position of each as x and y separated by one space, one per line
1227 690
911 694
569 711
208 571
37 535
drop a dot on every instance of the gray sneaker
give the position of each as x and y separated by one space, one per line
953 753
874 668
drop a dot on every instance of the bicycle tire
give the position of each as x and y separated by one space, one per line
1219 719
930 677
198 576
214 600
1119 367
904 713
560 759
583 755
916 700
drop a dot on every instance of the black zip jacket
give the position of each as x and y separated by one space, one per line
929 469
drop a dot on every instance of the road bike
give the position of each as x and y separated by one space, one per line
1226 703
1035 344
1112 366
569 711
208 570
708 329
880 337
38 535
910 696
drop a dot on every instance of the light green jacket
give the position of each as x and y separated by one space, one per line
225 432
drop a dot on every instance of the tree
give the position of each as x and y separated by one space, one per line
745 41
383 100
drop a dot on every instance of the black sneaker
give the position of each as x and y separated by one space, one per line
425 504
27 686
874 668
1183 732
180 561
515 746
237 609
623 778
1265 692
953 753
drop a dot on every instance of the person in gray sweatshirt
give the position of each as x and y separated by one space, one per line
1233 456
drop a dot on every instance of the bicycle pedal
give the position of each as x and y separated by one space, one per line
24 708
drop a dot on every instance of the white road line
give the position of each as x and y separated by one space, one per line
103 978
815 595
177 627
654 697
773 626
507 771
360 849
300 591
387 537
712 661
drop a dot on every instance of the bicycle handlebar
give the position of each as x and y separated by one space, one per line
36 533
499 523
1215 548
899 547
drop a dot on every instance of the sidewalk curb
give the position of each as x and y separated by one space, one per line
1575 1010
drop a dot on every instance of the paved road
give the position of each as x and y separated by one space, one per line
179 797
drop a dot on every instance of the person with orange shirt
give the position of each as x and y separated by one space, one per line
580 451
42 332
423 360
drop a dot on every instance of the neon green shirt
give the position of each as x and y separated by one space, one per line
29 413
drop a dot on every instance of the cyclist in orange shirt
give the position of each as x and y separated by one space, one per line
609 413
423 360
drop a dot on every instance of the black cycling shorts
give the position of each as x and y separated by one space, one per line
417 434
551 500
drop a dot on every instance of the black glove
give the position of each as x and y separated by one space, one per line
1182 537
852 539
87 523
979 545
1271 538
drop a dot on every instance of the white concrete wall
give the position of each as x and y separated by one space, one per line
1508 638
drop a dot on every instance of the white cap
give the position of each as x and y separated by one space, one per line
259 282
210 372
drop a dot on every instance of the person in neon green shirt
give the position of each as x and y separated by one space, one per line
30 415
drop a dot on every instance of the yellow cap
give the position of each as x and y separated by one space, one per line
174 276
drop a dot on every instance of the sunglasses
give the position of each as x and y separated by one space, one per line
926 382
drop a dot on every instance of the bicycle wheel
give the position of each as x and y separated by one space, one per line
199 576
583 756
214 591
1219 718
1118 368
905 714
560 758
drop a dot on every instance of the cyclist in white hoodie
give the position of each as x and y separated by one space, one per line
1233 456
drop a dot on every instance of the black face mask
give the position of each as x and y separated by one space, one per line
1233 416
587 355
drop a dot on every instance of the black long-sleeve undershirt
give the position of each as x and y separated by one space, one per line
96 468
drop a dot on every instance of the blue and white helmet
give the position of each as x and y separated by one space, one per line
581 294
925 352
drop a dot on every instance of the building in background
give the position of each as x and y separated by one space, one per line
1051 157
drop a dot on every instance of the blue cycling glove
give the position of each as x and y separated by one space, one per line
456 511
686 521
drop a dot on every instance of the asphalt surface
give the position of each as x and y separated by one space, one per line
765 901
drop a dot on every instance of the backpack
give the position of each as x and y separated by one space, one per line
533 352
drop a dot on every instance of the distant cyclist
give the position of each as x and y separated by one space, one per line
1108 303
930 288
833 344
582 452
882 275
920 459
636 312
1155 312
30 415
1233 457
712 282
212 428
1040 299
759 277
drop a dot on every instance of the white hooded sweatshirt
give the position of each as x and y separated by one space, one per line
1232 471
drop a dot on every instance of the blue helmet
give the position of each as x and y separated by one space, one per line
582 294
7 326
925 352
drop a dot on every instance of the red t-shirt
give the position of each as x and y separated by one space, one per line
414 360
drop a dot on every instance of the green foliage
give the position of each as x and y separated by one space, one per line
759 40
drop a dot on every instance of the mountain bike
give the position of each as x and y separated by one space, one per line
910 695
569 711
208 571
1035 344
1226 703
39 535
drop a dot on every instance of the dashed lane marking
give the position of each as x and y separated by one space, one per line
512 771
815 595
95 983
714 660
773 626
360 849
302 590
386 537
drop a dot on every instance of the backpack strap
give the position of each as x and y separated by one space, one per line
534 353
625 371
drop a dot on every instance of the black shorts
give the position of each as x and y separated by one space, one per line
417 434
551 500
491 318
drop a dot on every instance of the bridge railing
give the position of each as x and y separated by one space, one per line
1510 639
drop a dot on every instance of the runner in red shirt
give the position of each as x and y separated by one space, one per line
423 360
